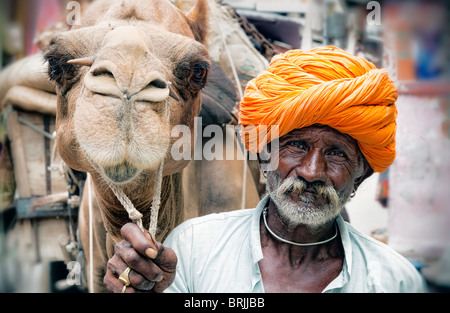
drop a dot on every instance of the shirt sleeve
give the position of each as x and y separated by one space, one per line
415 284
179 242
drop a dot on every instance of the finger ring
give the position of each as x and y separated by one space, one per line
125 279
123 289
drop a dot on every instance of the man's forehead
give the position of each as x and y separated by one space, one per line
323 131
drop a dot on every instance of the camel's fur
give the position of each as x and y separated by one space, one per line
113 113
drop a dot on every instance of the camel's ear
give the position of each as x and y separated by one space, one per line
197 18
59 70
71 49
87 61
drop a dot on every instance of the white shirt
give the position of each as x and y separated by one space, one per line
220 253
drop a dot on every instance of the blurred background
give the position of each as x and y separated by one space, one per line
407 207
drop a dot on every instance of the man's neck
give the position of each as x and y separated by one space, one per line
290 268
300 234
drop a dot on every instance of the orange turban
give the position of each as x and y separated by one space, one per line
325 86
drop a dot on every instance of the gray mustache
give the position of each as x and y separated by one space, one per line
299 186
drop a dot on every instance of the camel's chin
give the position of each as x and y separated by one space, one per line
121 173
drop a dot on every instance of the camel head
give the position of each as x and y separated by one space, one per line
124 82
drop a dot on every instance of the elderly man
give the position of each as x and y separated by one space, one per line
335 115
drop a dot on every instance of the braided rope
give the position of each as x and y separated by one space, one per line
156 202
134 215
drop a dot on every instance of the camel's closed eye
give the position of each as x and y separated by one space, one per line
102 72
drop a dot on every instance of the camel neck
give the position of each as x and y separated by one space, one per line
115 216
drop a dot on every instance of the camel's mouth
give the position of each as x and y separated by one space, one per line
120 173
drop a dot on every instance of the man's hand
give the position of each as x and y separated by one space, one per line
152 265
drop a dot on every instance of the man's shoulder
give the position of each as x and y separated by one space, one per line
382 260
222 217
374 248
211 224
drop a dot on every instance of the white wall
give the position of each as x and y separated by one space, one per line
365 212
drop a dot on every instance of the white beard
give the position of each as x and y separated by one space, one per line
295 213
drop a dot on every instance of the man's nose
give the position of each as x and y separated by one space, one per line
313 167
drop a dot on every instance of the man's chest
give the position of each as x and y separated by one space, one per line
312 278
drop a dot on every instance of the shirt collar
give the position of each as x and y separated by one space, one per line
346 243
344 276
255 236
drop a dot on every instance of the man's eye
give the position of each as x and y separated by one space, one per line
338 153
297 144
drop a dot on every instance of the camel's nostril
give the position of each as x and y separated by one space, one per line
158 83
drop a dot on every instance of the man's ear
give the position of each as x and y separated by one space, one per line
265 159
197 18
261 162
367 172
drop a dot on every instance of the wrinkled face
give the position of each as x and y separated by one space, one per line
113 114
318 169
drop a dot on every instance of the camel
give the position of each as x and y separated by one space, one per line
207 185
129 67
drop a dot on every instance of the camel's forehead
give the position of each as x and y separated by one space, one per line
161 14
142 39
125 32
125 36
